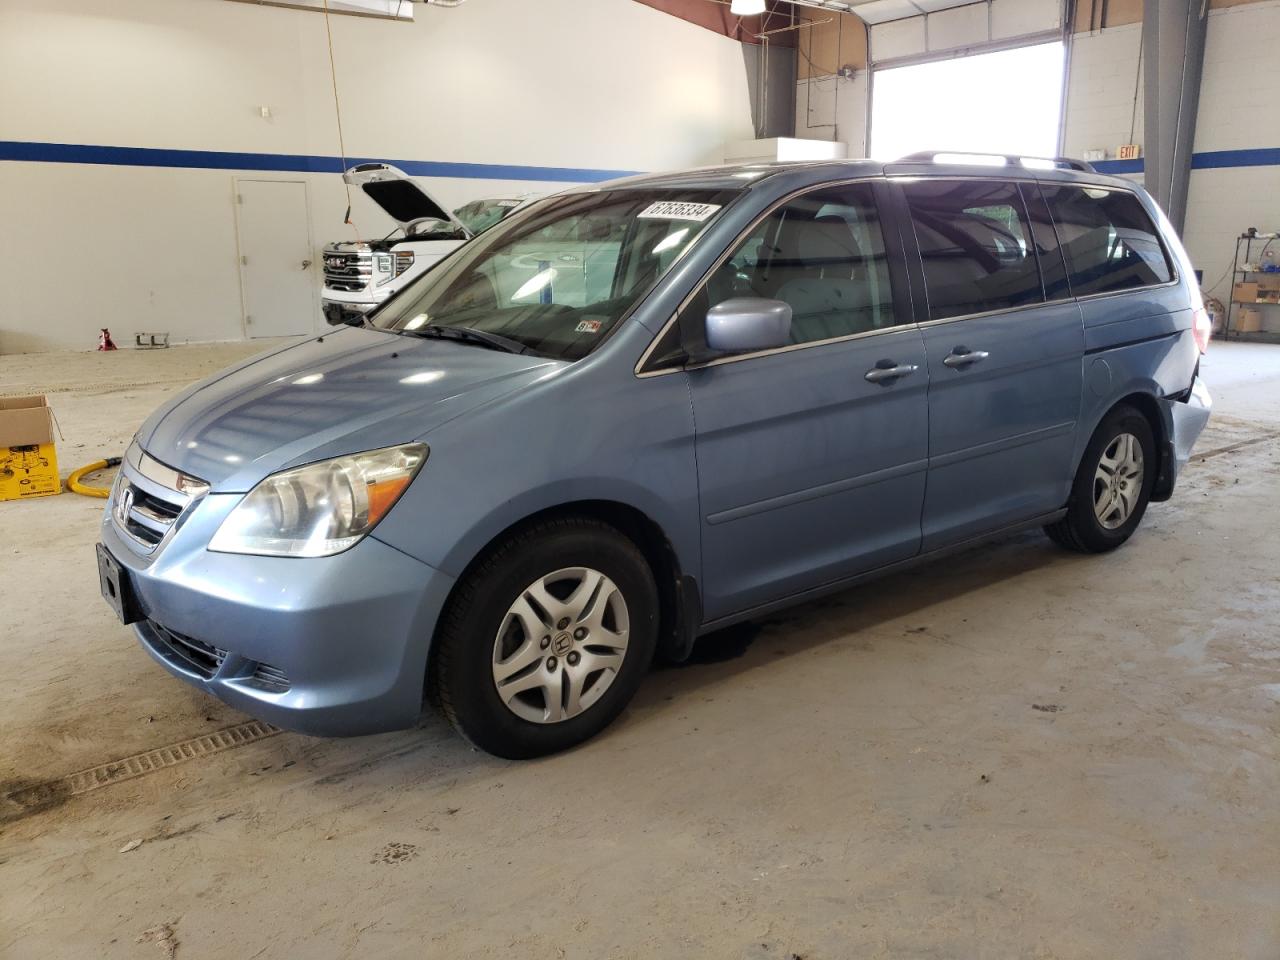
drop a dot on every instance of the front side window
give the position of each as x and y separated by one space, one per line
1107 239
823 254
558 279
975 244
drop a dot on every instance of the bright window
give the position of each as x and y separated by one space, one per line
1005 102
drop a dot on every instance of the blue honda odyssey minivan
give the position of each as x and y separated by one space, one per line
638 411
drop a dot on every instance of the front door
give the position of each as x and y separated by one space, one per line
1004 364
277 281
811 458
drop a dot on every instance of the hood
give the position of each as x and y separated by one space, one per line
353 390
398 195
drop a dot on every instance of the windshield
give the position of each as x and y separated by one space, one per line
559 277
479 215
429 228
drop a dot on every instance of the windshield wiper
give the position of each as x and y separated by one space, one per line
493 341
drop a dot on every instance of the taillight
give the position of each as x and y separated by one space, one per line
1202 329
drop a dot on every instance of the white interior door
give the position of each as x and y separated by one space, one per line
277 276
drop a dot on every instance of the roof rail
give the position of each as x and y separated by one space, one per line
1010 159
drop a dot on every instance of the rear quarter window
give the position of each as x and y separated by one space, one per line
1107 239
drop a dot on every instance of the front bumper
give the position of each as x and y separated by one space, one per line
333 646
348 306
338 314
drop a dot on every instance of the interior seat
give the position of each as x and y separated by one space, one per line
820 275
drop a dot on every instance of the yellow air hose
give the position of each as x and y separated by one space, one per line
75 486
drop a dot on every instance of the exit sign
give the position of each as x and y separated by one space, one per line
1130 151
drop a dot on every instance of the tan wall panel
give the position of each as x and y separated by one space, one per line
827 46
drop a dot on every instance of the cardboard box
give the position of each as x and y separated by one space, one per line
28 460
1244 292
1248 320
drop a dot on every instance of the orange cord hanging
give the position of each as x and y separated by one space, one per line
337 112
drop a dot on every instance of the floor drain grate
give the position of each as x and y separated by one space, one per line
40 796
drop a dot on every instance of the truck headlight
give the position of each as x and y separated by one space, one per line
322 508
388 266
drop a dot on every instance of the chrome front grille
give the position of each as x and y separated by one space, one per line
352 272
145 517
149 498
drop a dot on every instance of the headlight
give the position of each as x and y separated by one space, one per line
322 508
388 266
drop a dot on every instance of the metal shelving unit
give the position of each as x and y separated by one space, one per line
1246 243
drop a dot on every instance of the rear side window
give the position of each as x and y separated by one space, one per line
1107 239
975 242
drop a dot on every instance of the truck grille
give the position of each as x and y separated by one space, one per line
148 498
352 272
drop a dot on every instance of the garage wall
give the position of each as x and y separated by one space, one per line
829 106
1104 91
1235 179
606 87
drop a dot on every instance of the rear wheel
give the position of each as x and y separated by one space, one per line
1112 486
547 639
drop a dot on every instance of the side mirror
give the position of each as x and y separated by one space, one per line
745 324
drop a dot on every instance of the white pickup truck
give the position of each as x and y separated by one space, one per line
361 275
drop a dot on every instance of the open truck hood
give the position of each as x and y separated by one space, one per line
398 195
354 390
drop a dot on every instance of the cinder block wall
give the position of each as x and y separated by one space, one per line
1239 107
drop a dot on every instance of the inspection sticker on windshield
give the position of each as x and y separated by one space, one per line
588 326
677 210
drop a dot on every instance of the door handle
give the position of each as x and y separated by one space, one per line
305 264
890 372
963 356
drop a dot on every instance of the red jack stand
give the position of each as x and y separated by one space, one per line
105 342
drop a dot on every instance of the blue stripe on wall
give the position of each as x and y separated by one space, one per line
303 163
1209 160
290 162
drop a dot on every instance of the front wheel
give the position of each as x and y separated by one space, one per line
546 641
1112 487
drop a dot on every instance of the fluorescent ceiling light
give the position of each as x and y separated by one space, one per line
746 8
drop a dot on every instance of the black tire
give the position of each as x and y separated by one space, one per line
1080 529
461 680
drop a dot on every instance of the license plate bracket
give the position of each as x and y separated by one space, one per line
117 589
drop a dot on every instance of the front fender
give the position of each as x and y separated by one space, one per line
586 435
670 514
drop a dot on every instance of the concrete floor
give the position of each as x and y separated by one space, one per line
1015 753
